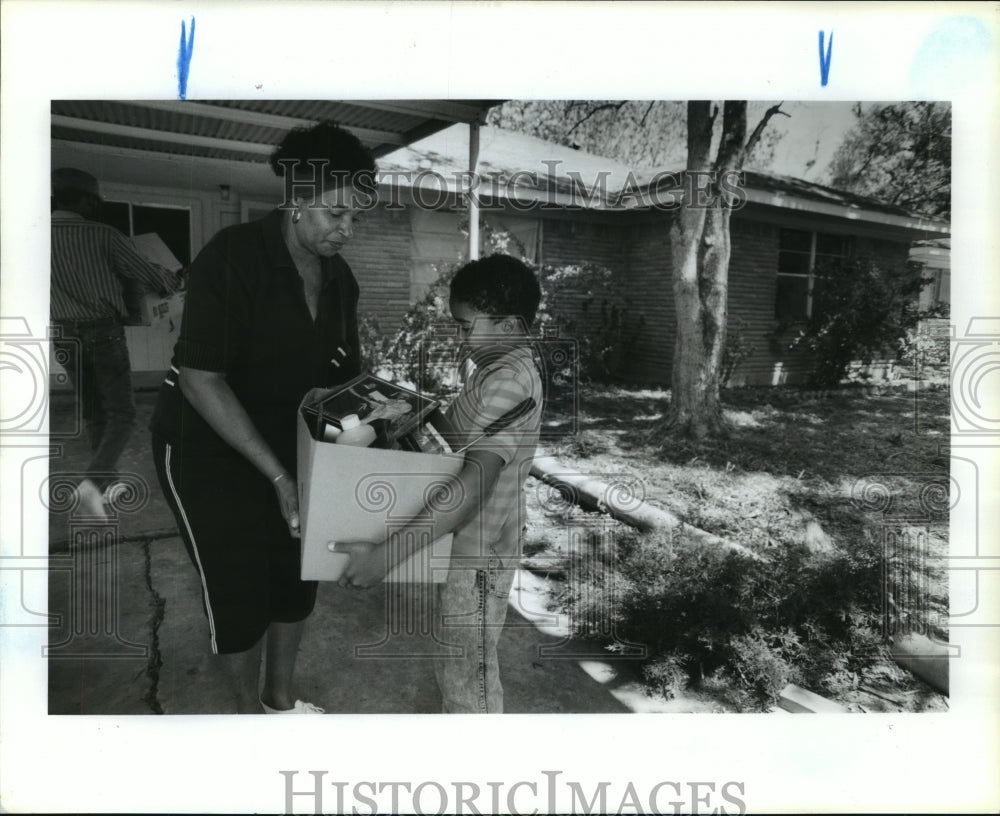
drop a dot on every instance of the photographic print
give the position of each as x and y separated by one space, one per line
639 416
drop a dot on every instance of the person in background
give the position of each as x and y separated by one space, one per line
90 263
494 301
270 313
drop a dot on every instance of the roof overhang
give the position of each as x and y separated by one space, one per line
248 130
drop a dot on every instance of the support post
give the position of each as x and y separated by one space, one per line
473 203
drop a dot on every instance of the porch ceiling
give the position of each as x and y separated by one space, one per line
247 130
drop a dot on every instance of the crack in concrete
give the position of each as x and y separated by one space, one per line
155 662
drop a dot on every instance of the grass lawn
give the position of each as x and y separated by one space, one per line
844 495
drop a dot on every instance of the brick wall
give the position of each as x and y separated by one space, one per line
636 249
648 283
380 254
752 283
579 240
753 266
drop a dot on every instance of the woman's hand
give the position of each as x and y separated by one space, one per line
368 564
288 501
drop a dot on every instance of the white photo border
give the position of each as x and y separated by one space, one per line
916 763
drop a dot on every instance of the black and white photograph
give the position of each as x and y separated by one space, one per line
642 422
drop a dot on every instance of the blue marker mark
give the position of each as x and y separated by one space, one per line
184 60
824 58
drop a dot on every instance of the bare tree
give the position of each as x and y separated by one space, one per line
700 250
898 153
639 133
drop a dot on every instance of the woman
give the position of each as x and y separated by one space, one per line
270 312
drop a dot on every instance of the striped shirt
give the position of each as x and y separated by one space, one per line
89 262
503 380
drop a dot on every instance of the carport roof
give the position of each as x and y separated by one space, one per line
247 130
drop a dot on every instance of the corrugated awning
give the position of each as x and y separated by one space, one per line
247 130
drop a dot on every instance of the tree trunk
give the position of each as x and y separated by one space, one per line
700 249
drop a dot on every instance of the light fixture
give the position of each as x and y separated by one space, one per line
224 192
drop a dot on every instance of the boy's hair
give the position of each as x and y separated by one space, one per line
498 285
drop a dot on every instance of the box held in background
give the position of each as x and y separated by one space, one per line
147 308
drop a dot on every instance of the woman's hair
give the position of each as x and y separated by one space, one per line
499 285
340 152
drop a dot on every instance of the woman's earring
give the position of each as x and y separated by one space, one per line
297 215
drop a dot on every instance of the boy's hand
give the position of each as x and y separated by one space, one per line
367 566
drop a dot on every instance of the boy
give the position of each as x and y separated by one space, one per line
494 301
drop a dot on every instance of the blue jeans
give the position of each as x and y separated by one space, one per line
95 357
470 613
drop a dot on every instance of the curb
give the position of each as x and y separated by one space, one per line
619 501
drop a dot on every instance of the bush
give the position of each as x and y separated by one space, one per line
709 612
585 302
865 310
926 348
581 302
425 349
737 349
666 675
761 666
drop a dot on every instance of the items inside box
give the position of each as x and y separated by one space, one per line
402 419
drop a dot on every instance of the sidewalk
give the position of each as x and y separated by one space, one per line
132 637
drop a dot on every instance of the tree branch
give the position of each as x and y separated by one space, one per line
700 124
757 131
598 109
642 122
734 131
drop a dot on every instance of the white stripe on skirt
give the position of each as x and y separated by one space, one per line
194 547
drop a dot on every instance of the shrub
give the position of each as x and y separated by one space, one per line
865 309
796 616
585 302
761 666
926 348
581 302
736 350
424 350
666 675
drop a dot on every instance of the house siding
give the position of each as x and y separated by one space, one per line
635 247
648 286
380 255
752 287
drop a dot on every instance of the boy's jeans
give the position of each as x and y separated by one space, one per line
470 613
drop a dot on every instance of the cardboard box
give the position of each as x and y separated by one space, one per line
350 493
149 308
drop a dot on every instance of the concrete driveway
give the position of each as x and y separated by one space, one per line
130 635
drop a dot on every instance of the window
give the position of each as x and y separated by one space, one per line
172 224
938 291
806 263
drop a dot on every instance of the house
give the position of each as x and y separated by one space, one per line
186 170
568 207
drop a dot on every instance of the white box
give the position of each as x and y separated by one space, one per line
348 493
